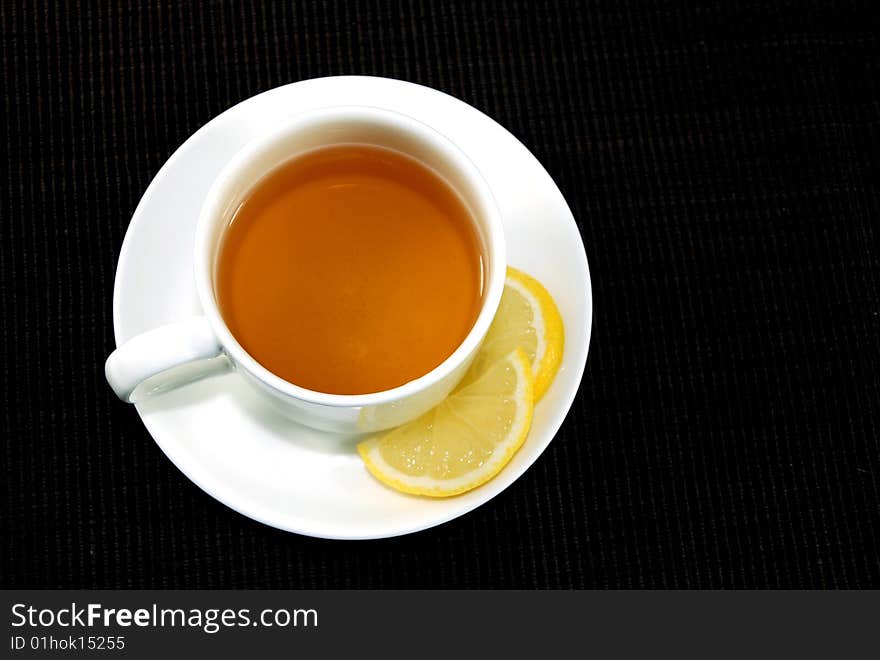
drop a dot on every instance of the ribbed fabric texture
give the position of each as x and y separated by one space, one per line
721 159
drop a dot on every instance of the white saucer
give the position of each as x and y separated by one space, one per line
220 434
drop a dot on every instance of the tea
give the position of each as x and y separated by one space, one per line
350 269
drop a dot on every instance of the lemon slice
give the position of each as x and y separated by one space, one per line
527 317
464 441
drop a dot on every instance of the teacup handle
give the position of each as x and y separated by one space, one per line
157 351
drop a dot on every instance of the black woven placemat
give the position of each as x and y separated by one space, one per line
721 159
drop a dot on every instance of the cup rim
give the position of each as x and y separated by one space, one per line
211 211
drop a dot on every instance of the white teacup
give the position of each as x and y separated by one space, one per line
146 365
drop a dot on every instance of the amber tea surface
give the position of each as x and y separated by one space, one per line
350 269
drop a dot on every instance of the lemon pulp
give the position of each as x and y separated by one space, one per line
464 441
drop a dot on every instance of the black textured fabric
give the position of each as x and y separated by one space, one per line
721 159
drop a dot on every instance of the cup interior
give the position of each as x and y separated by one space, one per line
335 126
